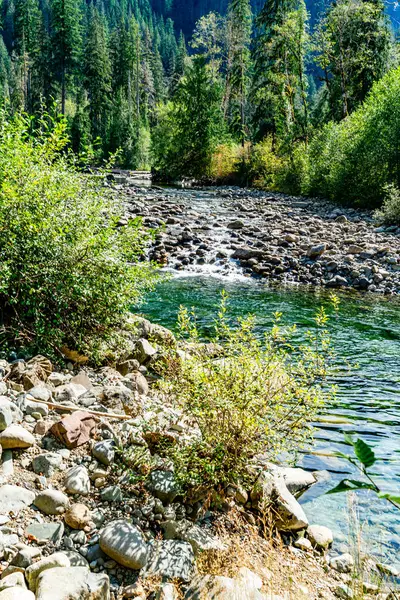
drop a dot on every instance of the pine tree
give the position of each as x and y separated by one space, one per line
280 84
27 30
97 74
353 45
66 39
239 25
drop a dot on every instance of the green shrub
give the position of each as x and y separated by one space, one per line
355 160
68 274
390 211
246 395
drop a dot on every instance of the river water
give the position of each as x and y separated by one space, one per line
365 334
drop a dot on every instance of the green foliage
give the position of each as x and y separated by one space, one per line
353 45
364 458
246 395
355 160
390 211
189 128
280 82
68 274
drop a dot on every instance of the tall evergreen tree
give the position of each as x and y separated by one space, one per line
239 25
280 82
97 73
66 39
353 45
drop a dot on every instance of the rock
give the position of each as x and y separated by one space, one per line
76 559
58 559
73 583
128 366
137 383
24 557
78 516
320 537
40 392
42 532
77 480
16 593
14 499
13 580
7 468
143 351
171 559
51 502
162 485
75 430
6 414
210 587
113 493
271 490
167 592
104 452
124 543
316 251
343 563
15 436
303 544
337 281
238 224
9 407
198 537
69 393
297 480
46 464
31 407
344 591
82 379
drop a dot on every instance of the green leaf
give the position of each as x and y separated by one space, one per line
364 453
390 497
348 439
349 485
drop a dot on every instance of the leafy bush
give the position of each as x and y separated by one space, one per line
355 160
225 161
390 211
246 395
263 164
68 274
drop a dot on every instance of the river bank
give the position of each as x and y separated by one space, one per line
272 237
78 520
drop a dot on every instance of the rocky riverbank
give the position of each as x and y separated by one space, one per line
88 511
273 237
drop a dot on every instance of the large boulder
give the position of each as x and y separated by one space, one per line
143 351
270 492
124 543
58 559
73 583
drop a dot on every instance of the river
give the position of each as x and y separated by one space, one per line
365 334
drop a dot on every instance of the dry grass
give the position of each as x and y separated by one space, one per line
294 576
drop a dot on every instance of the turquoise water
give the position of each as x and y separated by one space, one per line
367 333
